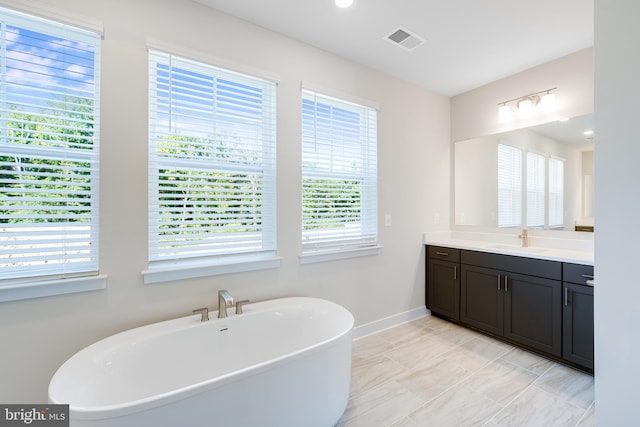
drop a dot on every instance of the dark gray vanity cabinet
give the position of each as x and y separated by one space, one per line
513 297
542 305
577 314
443 275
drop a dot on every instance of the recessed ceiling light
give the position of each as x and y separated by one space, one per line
344 3
588 132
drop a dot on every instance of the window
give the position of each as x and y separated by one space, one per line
49 165
543 189
556 193
339 174
509 186
211 166
536 172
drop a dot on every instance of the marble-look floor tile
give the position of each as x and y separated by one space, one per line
432 377
530 361
501 381
536 407
373 371
381 406
428 347
369 346
433 322
568 384
589 418
405 334
446 370
460 406
405 422
475 354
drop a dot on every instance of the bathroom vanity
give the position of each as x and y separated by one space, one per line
539 302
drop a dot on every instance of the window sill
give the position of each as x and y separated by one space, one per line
311 257
167 272
46 288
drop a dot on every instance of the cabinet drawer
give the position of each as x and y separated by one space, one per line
444 254
577 273
514 264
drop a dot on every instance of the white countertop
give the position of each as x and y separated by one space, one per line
577 249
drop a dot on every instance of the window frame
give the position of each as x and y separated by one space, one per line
314 166
167 268
81 275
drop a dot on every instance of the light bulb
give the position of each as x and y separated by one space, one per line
525 107
504 113
344 3
548 103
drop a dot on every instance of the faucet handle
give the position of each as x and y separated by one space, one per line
240 304
204 312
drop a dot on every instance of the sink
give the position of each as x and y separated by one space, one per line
519 248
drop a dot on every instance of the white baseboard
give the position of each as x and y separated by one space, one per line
389 322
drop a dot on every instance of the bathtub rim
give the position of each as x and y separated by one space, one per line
146 403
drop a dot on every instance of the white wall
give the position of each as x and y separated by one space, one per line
617 207
475 113
414 175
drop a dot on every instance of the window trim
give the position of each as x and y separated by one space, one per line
34 17
172 271
321 252
164 270
46 288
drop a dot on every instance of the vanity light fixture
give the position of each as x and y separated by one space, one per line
527 103
344 3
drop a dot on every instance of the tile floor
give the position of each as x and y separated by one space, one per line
431 372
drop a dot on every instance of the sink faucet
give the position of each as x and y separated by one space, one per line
525 237
224 300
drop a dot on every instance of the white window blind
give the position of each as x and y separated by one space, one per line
211 161
509 186
556 192
339 174
49 115
536 175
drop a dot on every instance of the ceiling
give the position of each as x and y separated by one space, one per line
468 43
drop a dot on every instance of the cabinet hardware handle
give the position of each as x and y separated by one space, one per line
566 296
455 273
506 283
587 276
499 281
590 282
442 253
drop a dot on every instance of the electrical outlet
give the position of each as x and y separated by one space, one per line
436 218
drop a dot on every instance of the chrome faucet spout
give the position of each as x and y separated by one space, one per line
224 300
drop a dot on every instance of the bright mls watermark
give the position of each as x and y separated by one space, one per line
34 415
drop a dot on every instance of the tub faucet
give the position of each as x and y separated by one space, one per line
224 300
525 237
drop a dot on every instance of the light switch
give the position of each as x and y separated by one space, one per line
387 220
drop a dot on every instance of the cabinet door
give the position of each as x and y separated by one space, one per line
533 312
577 319
481 298
443 288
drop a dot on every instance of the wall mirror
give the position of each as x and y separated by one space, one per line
539 177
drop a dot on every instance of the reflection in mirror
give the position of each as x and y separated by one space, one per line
537 177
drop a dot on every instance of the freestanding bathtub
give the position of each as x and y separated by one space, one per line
284 362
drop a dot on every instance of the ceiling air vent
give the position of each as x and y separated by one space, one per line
405 39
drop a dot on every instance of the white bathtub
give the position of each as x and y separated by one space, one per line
284 362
